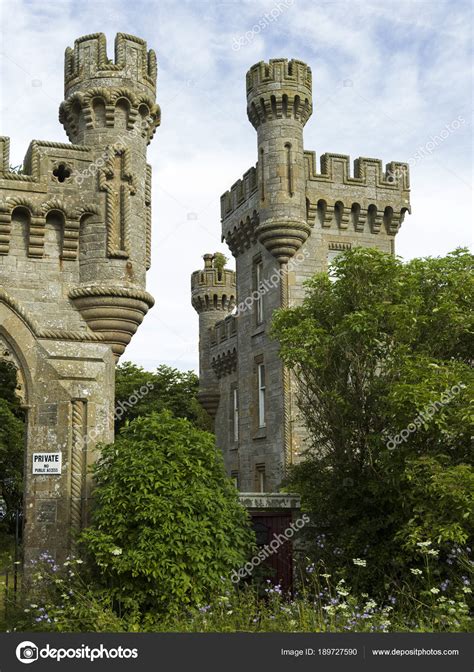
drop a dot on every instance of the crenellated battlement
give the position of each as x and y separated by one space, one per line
280 89
88 61
293 74
336 196
240 192
336 169
223 331
41 159
101 94
213 288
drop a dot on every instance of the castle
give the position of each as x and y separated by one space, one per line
283 222
75 245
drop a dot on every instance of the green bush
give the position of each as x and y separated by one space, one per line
167 527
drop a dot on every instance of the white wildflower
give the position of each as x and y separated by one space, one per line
117 551
359 562
416 572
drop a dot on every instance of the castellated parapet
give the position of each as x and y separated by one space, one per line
284 197
284 220
75 245
213 295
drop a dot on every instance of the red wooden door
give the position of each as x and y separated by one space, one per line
279 563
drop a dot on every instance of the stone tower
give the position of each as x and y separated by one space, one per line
75 245
213 297
279 103
283 222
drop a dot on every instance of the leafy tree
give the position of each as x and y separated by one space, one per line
382 359
167 526
139 393
11 439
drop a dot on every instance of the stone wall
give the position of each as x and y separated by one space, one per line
75 244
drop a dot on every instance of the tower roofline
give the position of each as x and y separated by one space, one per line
88 61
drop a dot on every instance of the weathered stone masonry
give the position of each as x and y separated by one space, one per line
283 222
75 245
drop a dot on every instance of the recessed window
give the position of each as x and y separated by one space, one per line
235 413
261 395
235 478
62 172
260 477
259 288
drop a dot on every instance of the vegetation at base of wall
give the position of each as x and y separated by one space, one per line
139 393
167 524
70 601
383 359
12 428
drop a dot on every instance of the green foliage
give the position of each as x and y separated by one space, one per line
11 456
66 601
139 393
220 261
167 525
382 356
11 439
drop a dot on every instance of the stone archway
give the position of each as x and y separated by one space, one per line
68 393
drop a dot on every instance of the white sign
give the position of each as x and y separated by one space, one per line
47 463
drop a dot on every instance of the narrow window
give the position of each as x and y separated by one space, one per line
261 395
260 477
235 410
260 289
289 168
235 478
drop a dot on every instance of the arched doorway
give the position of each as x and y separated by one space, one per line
12 460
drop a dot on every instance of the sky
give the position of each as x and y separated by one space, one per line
389 76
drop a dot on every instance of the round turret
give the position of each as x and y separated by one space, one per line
279 103
213 296
100 94
110 108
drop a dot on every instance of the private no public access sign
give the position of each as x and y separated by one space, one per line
48 464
